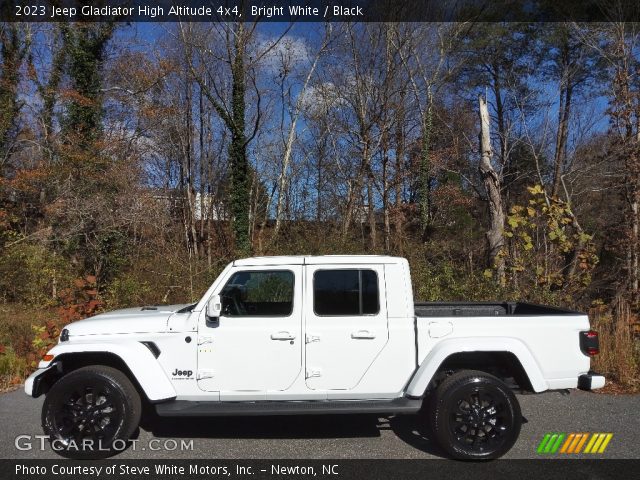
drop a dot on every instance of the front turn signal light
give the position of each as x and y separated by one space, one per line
48 357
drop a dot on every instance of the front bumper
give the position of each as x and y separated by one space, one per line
32 383
590 381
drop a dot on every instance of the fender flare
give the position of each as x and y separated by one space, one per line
430 365
143 365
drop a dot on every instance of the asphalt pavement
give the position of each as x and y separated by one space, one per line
336 437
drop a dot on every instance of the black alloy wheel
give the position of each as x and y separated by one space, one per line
91 413
475 416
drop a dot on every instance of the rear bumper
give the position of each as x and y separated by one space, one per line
590 381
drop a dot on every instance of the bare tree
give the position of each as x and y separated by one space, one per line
294 114
15 42
427 75
495 233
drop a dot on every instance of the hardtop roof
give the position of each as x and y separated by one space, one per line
318 260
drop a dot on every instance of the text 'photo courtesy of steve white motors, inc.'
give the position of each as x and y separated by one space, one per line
167 469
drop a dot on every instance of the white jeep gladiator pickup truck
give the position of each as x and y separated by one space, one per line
307 335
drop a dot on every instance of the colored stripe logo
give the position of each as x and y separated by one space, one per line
573 443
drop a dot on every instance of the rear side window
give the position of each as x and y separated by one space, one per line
258 294
345 292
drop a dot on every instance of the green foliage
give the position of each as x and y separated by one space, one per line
45 336
15 328
444 282
444 277
128 289
493 57
31 273
436 276
85 46
544 243
240 182
14 45
109 254
272 287
41 338
13 367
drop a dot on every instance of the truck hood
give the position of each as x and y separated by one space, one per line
128 320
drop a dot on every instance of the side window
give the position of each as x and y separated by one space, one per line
345 292
258 294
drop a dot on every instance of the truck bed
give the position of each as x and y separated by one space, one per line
485 309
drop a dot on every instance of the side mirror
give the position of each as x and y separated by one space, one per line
214 307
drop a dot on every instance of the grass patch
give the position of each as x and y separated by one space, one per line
16 340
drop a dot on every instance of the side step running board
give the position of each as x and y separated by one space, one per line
186 408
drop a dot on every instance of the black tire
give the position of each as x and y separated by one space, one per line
474 416
91 413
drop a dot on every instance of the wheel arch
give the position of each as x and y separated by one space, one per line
504 356
137 362
501 364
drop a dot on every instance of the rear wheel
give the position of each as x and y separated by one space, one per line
91 413
475 416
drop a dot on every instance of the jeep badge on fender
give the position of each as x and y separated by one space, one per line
314 335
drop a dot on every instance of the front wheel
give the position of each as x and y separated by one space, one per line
91 413
475 416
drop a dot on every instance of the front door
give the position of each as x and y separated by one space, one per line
346 324
255 346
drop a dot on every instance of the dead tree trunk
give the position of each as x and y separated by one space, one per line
425 168
371 215
399 167
288 148
495 233
385 192
564 112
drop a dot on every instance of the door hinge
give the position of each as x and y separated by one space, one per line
204 374
313 373
204 340
312 338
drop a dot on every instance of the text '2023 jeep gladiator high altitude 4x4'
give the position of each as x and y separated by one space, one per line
312 335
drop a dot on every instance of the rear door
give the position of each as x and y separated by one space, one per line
346 324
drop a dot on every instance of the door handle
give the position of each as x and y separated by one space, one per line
363 334
282 336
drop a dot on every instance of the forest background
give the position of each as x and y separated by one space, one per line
137 160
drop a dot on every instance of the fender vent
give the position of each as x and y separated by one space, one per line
153 348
